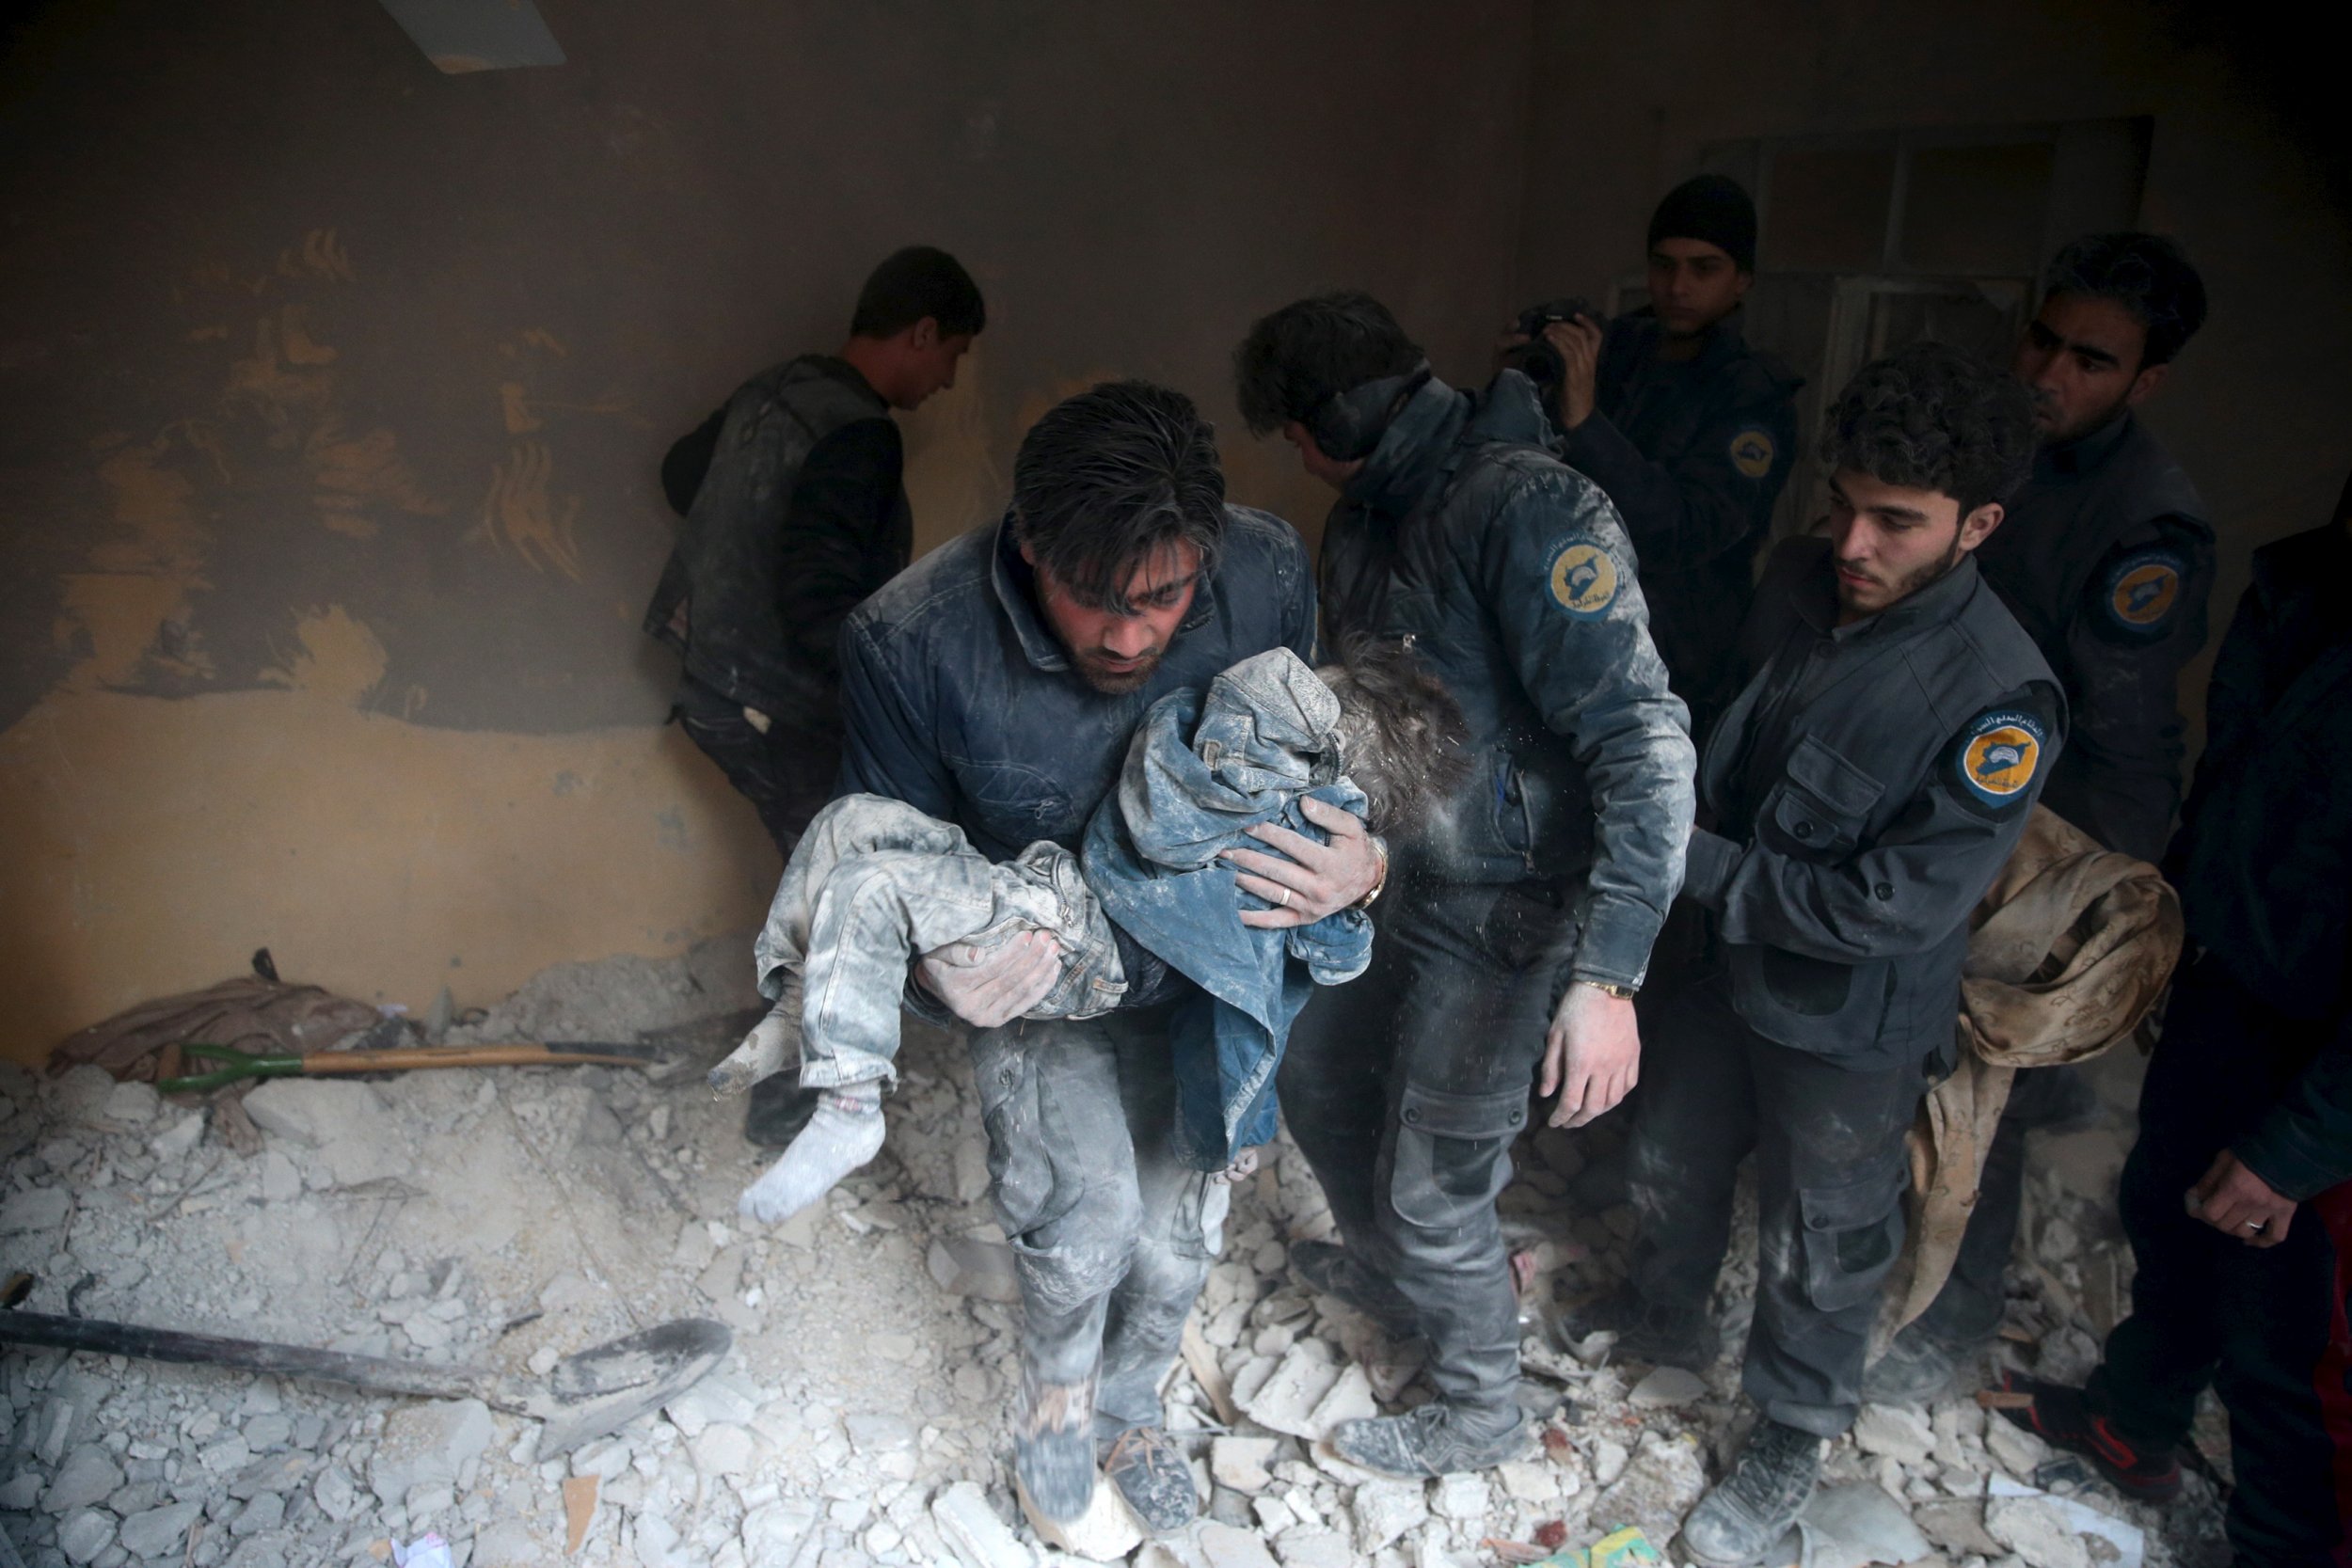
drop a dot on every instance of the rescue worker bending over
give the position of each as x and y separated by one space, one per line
2106 559
1859 796
1523 917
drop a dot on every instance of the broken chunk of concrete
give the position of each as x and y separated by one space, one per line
1242 1463
1667 1386
1858 1524
973 1531
1895 1431
1384 1510
968 1266
1105 1532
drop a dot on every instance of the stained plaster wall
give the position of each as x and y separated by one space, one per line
336 389
2241 169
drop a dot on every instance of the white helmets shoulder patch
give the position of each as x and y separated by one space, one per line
2000 754
1584 580
2140 593
1751 451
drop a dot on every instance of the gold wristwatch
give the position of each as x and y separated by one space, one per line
1623 993
1379 848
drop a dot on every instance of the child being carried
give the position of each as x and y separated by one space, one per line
874 883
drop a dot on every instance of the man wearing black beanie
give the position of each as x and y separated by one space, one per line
1690 431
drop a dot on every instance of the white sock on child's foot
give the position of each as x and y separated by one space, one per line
844 1133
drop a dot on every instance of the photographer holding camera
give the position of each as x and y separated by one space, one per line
1688 431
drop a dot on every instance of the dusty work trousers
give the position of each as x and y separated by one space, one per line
1830 1174
1112 1234
2265 1327
1405 1090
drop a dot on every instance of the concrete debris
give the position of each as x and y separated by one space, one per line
1895 1430
1105 1532
509 1218
1666 1387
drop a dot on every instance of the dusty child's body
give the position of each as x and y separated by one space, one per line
874 884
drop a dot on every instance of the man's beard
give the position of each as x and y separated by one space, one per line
1116 683
1934 572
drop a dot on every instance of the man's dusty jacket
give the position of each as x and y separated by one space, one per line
2264 860
1513 576
799 514
1861 794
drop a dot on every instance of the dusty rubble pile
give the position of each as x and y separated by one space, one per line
512 1217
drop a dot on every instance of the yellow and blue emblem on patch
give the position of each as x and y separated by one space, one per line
1999 759
1584 580
2140 590
1752 453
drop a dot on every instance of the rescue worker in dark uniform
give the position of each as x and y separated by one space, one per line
1522 925
2237 1198
995 684
794 510
2106 559
1858 797
1689 432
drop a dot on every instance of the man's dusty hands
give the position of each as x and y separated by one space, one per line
1592 1054
1308 880
1578 343
2236 1202
991 986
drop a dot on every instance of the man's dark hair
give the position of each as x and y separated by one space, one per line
1299 358
1401 736
920 280
1109 478
2148 275
1931 417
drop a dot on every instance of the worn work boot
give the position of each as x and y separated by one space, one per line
1430 1441
1328 1269
1757 1503
1053 1445
2061 1416
1149 1469
1645 1333
1917 1369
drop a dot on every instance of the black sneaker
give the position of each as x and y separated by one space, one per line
779 1109
2062 1418
1053 1446
1690 1341
1918 1368
1757 1503
1430 1441
1328 1269
1149 1469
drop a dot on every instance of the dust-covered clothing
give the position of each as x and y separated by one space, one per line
1513 577
1863 792
1203 769
872 885
960 700
1693 454
1864 789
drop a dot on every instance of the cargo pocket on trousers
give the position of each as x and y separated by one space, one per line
1851 1235
1022 1179
1453 1154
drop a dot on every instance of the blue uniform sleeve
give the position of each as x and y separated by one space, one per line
1559 578
1804 884
888 743
1716 495
2143 620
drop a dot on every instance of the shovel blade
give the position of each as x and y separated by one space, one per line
603 1388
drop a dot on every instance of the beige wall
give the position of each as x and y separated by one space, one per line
2259 409
336 390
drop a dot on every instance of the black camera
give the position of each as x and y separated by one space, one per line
1537 359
